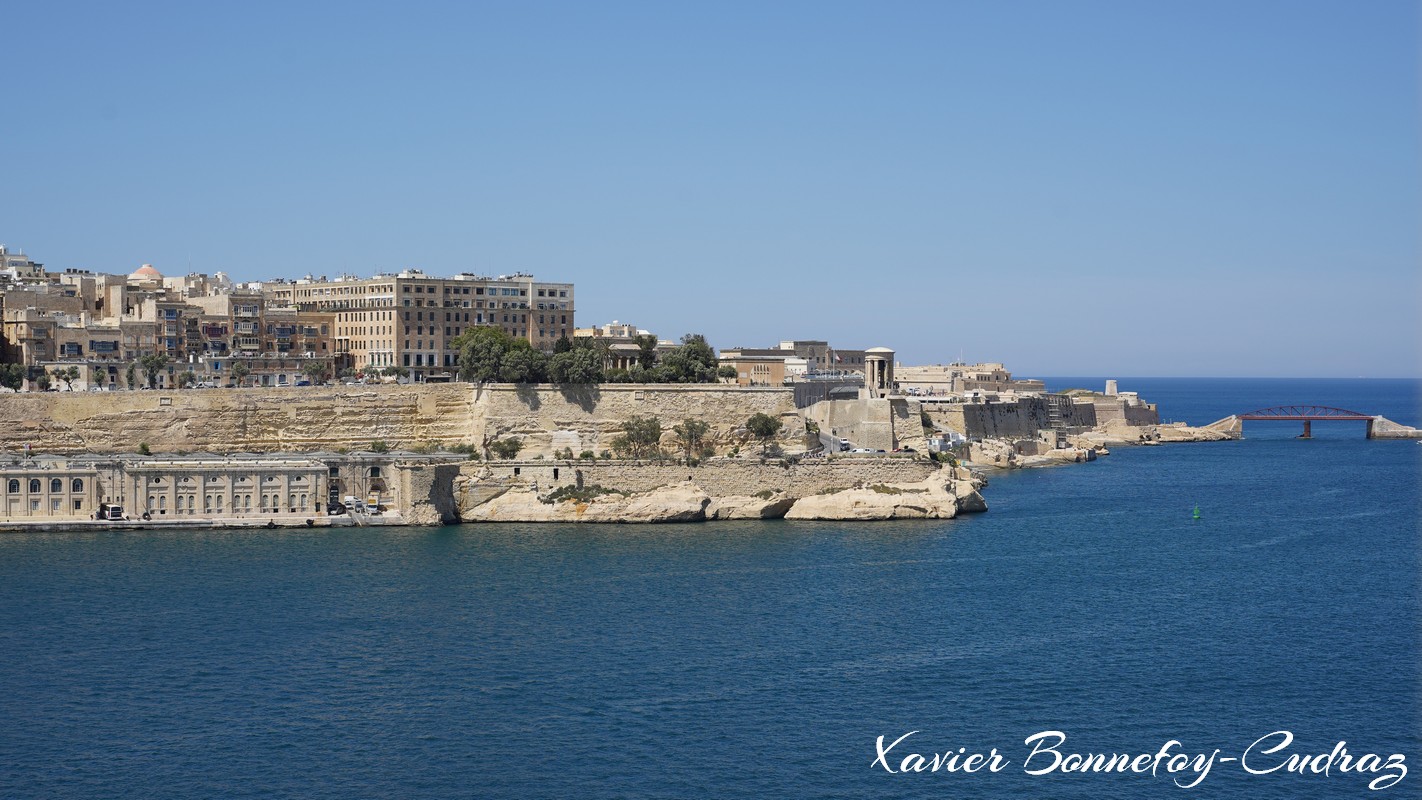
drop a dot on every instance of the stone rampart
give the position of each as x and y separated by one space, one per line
866 423
295 419
426 493
1134 413
1019 419
717 477
547 418
307 418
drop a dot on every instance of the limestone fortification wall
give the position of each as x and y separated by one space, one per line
1015 420
866 423
719 477
546 418
1113 408
310 418
425 493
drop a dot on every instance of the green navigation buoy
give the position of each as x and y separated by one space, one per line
1196 515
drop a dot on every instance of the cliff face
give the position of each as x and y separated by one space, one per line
233 420
311 418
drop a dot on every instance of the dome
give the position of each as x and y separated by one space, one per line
146 273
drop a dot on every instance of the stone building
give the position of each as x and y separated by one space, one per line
411 319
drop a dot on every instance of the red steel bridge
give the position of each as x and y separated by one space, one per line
1307 414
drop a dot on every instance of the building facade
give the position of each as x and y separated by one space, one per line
411 319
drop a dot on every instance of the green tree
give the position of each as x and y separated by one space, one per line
647 351
692 362
187 378
765 427
641 437
69 375
396 371
507 448
691 435
12 376
577 366
563 345
726 371
318 371
42 381
523 365
240 371
481 353
153 364
131 375
379 446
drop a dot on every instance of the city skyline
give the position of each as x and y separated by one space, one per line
1098 188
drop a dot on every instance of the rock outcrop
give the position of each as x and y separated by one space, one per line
742 507
932 499
683 502
483 497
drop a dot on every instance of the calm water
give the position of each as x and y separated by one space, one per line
751 660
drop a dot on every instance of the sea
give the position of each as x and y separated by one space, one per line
1087 637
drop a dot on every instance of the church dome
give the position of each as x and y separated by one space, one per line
146 273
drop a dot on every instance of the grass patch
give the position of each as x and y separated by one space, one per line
883 488
763 494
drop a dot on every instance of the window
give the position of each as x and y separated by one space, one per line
56 485
13 487
34 486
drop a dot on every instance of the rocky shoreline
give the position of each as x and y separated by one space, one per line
944 495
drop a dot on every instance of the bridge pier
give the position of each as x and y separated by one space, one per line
1370 427
1308 429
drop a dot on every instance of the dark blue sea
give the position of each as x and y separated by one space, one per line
762 660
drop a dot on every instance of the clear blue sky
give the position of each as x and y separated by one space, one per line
1129 188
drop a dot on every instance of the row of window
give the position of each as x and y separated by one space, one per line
214 503
56 485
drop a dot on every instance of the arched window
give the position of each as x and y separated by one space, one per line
163 503
291 502
303 503
150 502
374 472
219 504
207 504
34 485
56 485
77 485
14 486
265 503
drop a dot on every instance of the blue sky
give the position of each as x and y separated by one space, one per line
1188 188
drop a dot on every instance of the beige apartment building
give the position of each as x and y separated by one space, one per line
411 319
